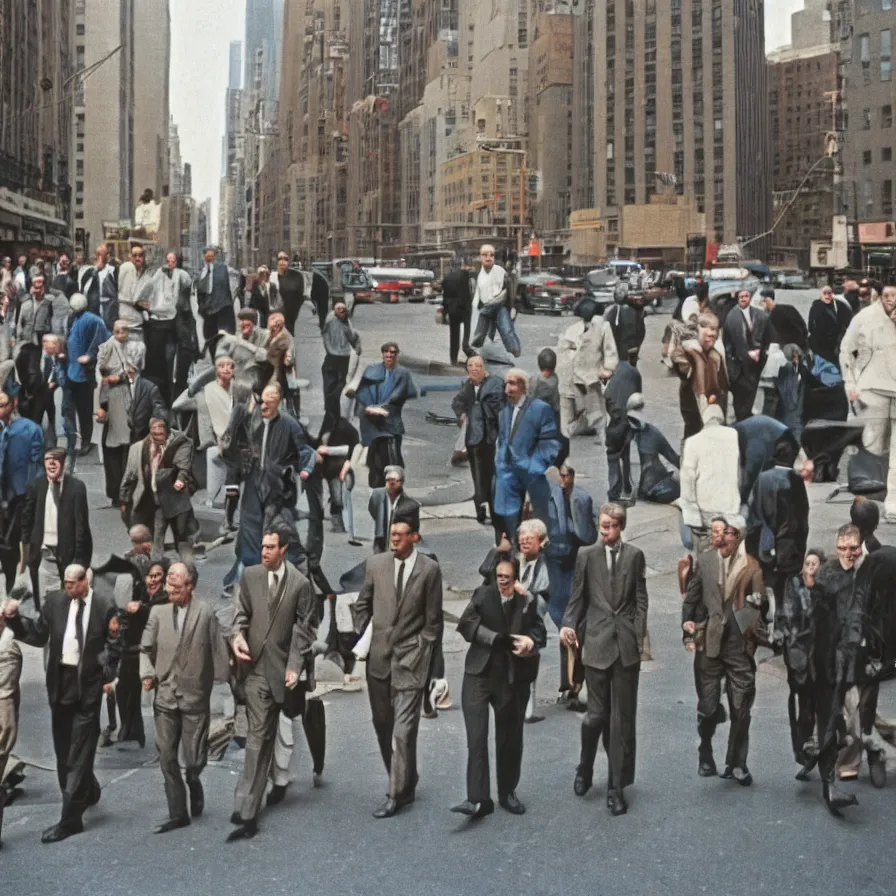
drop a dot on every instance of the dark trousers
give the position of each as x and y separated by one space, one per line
114 461
460 318
213 323
76 731
161 349
612 709
80 406
482 470
743 394
334 371
396 720
508 701
739 671
313 488
189 731
262 714
11 553
619 458
801 713
382 453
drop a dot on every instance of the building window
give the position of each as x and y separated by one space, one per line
79 29
886 197
886 54
866 119
868 194
886 154
886 116
866 157
886 4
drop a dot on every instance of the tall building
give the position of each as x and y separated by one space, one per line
228 228
264 19
37 61
104 117
681 131
152 62
234 74
869 135
803 103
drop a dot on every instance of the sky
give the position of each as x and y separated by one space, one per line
201 32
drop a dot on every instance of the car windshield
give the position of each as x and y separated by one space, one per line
601 278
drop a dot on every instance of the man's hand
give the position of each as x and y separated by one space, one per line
462 419
304 475
133 607
568 636
853 396
147 684
107 688
11 608
84 359
241 648
523 645
504 544
111 380
292 679
346 467
519 588
101 416
322 452
689 627
754 354
178 485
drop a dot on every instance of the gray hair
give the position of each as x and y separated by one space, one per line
75 571
517 373
534 527
188 570
394 468
614 511
78 302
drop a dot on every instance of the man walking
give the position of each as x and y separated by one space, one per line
457 302
214 297
75 624
608 608
402 599
274 628
386 504
181 656
746 337
99 285
340 340
491 299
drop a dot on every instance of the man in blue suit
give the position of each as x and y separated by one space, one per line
382 393
215 297
528 443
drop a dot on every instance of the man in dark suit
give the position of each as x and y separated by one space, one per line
528 443
625 382
382 393
457 301
387 503
402 599
214 297
274 627
607 614
290 285
477 405
75 623
182 654
99 285
746 337
55 524
506 633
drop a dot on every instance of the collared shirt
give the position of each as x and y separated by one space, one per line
490 286
71 652
409 563
266 423
275 578
101 274
51 520
527 571
609 551
516 410
178 618
155 460
747 316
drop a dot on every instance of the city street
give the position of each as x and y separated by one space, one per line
682 833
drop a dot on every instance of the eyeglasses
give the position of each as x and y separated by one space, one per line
503 575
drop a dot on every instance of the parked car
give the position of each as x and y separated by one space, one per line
599 285
544 292
792 279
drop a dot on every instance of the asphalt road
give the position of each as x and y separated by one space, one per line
682 835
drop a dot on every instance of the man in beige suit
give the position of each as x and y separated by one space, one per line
182 654
10 696
402 599
274 627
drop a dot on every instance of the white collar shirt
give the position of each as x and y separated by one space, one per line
409 564
71 652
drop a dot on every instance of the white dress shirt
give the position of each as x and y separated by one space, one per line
409 564
51 520
71 652
516 410
264 439
747 316
609 553
275 578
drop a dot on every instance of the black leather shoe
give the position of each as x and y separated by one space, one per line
387 809
235 818
531 720
582 783
877 766
278 791
836 799
246 831
706 767
95 793
803 773
742 776
616 803
728 774
61 832
474 810
197 798
511 804
172 825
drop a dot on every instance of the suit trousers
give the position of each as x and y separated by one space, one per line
396 719
460 318
739 671
382 453
334 371
262 714
9 730
619 458
79 406
878 416
612 709
801 714
212 324
114 462
189 731
76 731
743 392
482 470
508 701
161 350
586 410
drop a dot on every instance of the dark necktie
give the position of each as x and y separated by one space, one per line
399 584
174 618
57 492
272 591
79 629
48 368
507 606
613 553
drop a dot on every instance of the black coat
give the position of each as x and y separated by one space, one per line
457 293
739 341
788 327
75 543
146 403
827 324
49 628
483 621
482 411
628 329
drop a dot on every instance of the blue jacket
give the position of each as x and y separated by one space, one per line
374 391
535 444
85 336
21 456
567 533
213 294
758 436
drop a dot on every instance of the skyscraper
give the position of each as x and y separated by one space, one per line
264 22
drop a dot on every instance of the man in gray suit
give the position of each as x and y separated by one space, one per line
608 612
385 503
402 599
182 654
274 627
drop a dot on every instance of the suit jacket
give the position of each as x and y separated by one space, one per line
75 542
184 666
532 448
739 340
176 465
280 643
482 411
483 620
403 388
704 597
378 507
614 624
264 304
406 634
102 301
213 292
568 532
457 292
146 403
36 396
49 628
